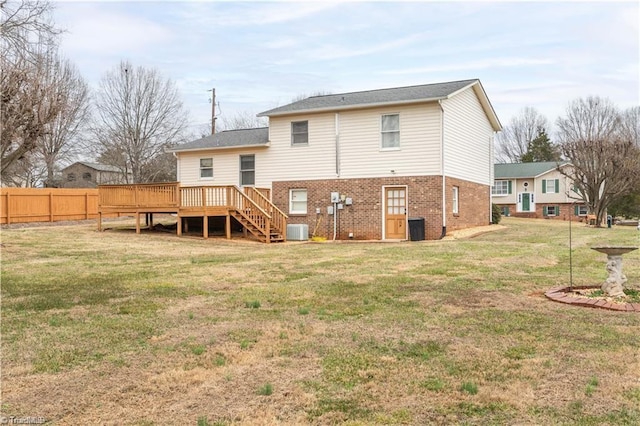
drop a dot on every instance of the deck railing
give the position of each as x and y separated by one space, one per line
252 205
139 195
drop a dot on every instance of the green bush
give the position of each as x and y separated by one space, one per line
496 214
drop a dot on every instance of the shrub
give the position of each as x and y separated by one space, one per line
496 214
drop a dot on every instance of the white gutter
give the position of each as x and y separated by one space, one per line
219 148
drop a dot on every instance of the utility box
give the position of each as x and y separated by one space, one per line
416 228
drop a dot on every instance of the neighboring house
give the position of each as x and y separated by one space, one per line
535 190
89 175
360 165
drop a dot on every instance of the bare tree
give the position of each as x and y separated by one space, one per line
589 119
630 124
605 163
242 120
29 102
58 143
513 142
24 27
139 114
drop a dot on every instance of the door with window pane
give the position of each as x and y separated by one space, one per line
395 213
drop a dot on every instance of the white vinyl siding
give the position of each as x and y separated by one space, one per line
468 139
226 167
360 153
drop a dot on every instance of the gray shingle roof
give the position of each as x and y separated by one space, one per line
99 167
409 94
523 170
227 139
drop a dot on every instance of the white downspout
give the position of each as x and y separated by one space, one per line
444 185
337 144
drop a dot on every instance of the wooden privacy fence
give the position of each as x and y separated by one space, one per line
20 205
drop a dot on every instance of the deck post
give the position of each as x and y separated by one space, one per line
228 225
137 222
179 226
205 226
268 231
99 221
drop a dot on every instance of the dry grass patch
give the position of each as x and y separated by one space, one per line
116 328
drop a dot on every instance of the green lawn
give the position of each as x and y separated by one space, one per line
151 329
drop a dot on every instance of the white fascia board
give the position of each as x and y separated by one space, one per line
220 148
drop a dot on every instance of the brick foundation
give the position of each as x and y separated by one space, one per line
363 219
566 210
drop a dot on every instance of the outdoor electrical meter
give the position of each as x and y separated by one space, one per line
335 197
330 210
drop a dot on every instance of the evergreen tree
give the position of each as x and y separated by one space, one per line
540 149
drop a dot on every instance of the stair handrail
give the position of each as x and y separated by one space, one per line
279 221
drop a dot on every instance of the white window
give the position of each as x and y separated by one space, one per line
581 210
501 187
247 170
551 210
454 207
206 168
298 201
550 186
299 133
390 131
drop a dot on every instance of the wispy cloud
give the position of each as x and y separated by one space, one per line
482 64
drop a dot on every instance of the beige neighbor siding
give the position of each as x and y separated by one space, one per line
360 142
468 137
552 197
226 167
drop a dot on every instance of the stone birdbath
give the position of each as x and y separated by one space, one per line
613 286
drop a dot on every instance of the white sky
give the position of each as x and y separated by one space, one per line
259 55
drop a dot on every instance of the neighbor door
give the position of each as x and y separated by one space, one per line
395 207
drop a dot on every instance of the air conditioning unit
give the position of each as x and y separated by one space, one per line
297 232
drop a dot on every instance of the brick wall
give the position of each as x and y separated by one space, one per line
364 217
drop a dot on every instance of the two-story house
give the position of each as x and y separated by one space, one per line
536 190
361 165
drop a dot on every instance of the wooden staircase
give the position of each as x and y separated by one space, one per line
248 220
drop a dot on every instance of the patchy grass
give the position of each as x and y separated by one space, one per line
115 327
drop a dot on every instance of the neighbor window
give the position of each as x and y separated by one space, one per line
71 177
504 210
86 176
390 130
247 170
299 133
581 210
454 207
206 167
298 201
551 210
550 186
501 187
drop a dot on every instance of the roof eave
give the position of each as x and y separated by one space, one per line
219 148
350 107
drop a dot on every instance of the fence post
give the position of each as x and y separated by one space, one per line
50 205
8 215
86 204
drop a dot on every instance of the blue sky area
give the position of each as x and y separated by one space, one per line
259 55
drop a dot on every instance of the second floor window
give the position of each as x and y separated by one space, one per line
299 133
550 186
390 131
206 167
247 170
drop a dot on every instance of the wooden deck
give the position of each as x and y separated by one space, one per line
250 207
